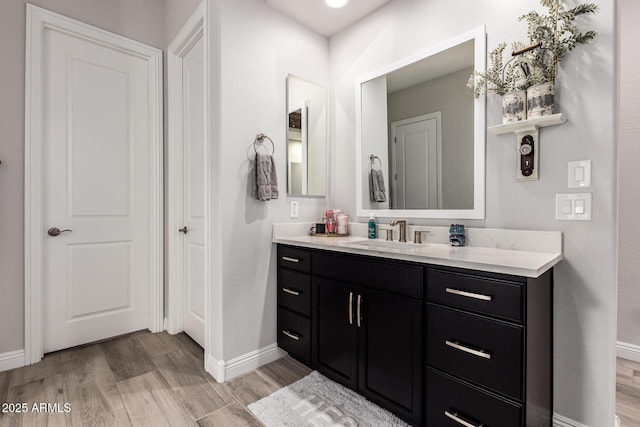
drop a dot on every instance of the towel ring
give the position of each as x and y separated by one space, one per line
373 158
260 138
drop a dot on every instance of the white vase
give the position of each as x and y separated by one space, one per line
514 107
540 100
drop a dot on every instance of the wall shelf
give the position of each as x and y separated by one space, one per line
527 142
538 122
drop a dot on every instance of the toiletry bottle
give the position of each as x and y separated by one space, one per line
372 227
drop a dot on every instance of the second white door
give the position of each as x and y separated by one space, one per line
193 189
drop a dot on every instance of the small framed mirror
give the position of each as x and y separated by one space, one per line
420 134
306 138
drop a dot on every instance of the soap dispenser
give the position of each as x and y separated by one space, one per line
372 227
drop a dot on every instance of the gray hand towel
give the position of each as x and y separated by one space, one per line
376 186
266 177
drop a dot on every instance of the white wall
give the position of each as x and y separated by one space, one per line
257 48
585 282
375 138
629 176
141 20
176 13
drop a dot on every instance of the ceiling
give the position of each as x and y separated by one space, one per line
322 19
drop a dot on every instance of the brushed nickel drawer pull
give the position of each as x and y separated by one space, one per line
351 308
469 294
478 353
460 421
290 291
286 258
359 310
291 335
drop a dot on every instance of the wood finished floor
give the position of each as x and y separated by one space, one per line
141 379
628 392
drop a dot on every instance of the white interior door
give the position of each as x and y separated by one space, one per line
416 164
193 189
98 131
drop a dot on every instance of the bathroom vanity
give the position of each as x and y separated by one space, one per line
433 342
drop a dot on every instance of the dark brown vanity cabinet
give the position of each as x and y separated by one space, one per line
294 302
488 347
366 334
436 346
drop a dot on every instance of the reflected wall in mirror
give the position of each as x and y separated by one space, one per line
420 134
306 138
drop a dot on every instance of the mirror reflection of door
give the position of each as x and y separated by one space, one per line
416 163
306 138
298 149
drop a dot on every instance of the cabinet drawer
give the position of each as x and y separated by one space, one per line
477 349
294 335
294 258
448 399
394 277
294 291
480 294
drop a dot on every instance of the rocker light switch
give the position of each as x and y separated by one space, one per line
573 206
580 174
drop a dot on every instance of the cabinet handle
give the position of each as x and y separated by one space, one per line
290 291
359 310
478 353
351 308
469 294
291 335
456 417
286 258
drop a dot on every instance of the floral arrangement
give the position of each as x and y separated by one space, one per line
551 37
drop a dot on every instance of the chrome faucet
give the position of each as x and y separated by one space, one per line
402 224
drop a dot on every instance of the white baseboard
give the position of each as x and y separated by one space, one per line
223 371
11 360
628 351
561 421
215 368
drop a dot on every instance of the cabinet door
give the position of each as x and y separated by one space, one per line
391 355
334 330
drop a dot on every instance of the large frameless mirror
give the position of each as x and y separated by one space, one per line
421 134
306 138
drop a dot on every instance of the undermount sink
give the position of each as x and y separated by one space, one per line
384 244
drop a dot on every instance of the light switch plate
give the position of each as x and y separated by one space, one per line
580 174
573 206
294 211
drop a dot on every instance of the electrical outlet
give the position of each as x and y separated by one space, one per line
294 212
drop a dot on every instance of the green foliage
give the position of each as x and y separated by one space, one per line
500 78
558 33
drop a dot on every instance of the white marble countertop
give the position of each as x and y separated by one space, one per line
529 253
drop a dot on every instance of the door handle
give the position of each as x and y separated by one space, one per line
359 311
468 294
183 230
55 231
458 346
455 416
351 308
291 335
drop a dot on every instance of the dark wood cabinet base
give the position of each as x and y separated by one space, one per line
437 346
